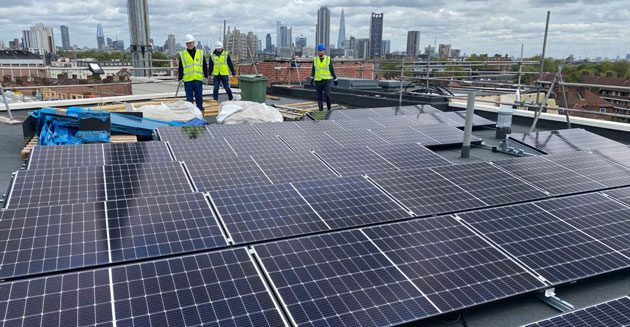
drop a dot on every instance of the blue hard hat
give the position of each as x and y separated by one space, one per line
321 47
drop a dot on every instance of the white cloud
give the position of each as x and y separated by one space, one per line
580 27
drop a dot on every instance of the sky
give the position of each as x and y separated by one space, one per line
586 29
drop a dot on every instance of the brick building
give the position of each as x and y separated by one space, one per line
282 72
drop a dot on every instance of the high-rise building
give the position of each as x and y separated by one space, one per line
241 45
385 46
285 37
141 45
455 53
268 45
259 45
100 37
65 37
322 29
171 45
413 44
278 33
351 47
118 45
444 51
110 42
376 35
39 39
342 30
363 48
300 43
429 51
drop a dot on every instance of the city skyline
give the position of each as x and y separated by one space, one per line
579 28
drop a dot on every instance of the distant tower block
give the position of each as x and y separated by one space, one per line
141 46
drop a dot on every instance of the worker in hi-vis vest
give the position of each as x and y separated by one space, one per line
220 65
323 74
193 71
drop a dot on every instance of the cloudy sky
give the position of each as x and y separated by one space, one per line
579 27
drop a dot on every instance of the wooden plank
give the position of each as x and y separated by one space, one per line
125 138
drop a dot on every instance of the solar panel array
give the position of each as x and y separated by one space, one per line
340 224
615 313
566 140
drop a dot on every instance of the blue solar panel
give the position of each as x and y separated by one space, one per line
341 279
45 239
74 299
354 161
621 194
615 313
593 167
184 133
553 249
201 149
409 156
135 152
75 155
349 201
293 167
451 265
212 289
225 173
147 179
561 141
248 146
265 212
163 225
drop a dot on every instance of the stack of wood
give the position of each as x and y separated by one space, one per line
297 110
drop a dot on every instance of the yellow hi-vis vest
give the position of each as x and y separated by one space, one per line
322 68
193 68
220 64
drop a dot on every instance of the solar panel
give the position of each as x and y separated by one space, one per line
202 149
233 130
615 313
358 124
458 119
60 156
355 138
341 279
620 155
349 201
490 184
212 289
225 173
566 140
184 133
552 248
44 239
44 187
319 126
138 152
594 167
451 265
405 134
273 129
596 215
354 161
163 225
293 167
425 192
147 179
265 212
245 146
409 156
306 142
443 135
75 299
622 194
432 119
549 176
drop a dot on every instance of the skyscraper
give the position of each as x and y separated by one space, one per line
139 36
65 37
285 37
413 44
171 45
322 29
300 43
363 48
100 37
385 46
39 39
342 31
376 35
268 45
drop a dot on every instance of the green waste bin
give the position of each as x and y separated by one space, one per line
253 88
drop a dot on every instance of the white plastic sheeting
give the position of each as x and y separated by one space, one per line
236 112
179 111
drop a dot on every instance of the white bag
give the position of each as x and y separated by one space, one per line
179 111
236 112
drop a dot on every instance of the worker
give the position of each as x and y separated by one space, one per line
193 71
323 74
220 65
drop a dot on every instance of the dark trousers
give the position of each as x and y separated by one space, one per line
225 80
194 89
323 91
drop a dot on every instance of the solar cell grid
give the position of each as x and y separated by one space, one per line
138 152
74 299
443 134
489 184
354 161
265 212
319 126
593 167
620 155
404 135
44 187
45 239
202 149
341 279
212 289
621 194
450 264
425 192
245 146
60 156
293 167
349 201
184 133
147 179
301 143
358 124
566 140
355 138
409 156
225 173
549 176
157 226
273 129
552 248
615 313
233 130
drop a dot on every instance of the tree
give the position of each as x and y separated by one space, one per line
160 56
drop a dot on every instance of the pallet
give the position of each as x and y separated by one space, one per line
290 115
28 147
125 138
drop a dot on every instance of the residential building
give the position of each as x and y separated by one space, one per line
413 44
39 39
444 51
385 46
363 48
322 29
376 35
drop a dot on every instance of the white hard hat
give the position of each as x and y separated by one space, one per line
218 45
190 38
